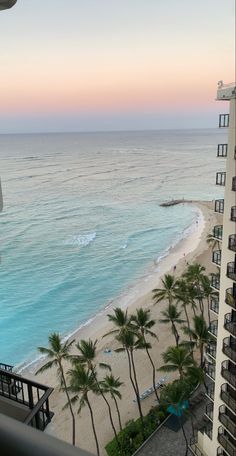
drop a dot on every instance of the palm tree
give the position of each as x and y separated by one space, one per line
57 353
199 335
168 290
111 385
212 241
175 396
176 359
87 355
195 276
142 323
172 315
183 296
82 382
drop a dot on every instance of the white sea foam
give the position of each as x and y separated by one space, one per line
80 240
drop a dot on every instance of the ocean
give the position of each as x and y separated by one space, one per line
82 222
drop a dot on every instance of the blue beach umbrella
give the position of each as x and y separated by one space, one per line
179 408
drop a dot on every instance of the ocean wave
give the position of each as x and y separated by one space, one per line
81 240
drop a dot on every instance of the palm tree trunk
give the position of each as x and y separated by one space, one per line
69 403
108 406
208 310
153 373
93 426
118 413
137 389
176 334
184 434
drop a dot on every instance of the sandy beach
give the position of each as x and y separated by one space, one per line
191 249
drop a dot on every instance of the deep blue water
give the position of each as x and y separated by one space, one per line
82 221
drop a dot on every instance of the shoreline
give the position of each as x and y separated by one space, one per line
195 248
196 227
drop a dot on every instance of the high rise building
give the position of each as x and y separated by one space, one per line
218 438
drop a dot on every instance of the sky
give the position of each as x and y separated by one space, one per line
113 65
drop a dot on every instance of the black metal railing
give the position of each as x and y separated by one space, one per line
29 393
230 299
211 349
233 214
214 304
211 371
194 448
232 242
230 324
228 395
226 442
209 411
218 232
222 150
228 371
216 257
223 120
229 348
210 391
221 178
234 183
215 282
213 328
231 270
228 420
6 367
219 206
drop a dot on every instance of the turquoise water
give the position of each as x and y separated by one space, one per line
82 221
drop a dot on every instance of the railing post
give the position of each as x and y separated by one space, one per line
30 396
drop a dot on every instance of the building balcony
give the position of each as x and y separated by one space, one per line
213 328
230 297
210 391
229 348
223 120
228 395
232 242
234 184
231 270
222 150
211 349
219 206
211 371
214 304
226 441
195 450
216 257
233 214
24 400
228 371
226 91
227 418
221 178
230 324
215 281
209 411
218 232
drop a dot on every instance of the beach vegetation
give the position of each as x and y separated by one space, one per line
110 385
200 336
195 277
173 316
167 292
57 352
177 359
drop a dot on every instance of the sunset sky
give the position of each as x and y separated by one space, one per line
108 64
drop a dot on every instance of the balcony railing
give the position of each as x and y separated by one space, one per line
215 282
230 299
6 367
221 178
228 395
233 214
230 324
211 349
219 206
222 150
231 270
232 242
229 348
209 411
30 394
210 391
226 442
214 304
213 328
211 371
216 257
223 120
228 371
234 183
218 232
194 448
228 420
